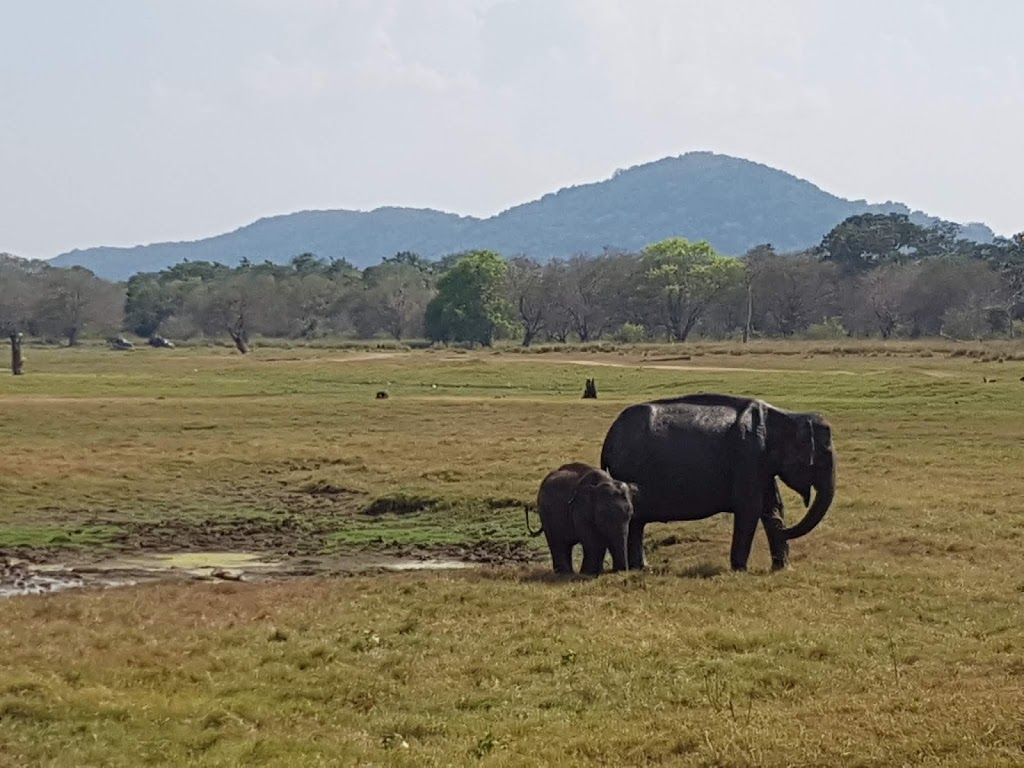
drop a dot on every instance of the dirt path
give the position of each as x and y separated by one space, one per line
347 359
640 364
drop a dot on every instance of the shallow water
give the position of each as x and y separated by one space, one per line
20 578
428 565
38 584
197 563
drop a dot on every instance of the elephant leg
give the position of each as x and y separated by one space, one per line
561 556
593 558
617 548
637 561
774 521
743 530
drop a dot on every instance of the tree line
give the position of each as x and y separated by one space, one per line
872 275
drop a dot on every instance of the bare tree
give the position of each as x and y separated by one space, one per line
554 297
15 306
394 300
593 295
880 299
755 263
73 300
793 291
312 302
525 286
944 287
236 304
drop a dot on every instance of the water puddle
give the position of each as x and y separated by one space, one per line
22 578
428 565
192 563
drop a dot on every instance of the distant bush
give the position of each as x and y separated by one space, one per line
630 333
831 328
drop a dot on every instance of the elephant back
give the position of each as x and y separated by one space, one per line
558 488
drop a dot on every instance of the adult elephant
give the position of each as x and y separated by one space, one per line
698 455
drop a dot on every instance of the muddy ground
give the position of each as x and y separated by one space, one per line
278 547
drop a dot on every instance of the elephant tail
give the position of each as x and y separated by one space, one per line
530 530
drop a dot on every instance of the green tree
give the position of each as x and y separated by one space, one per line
470 304
307 264
680 280
155 297
19 290
413 260
149 303
864 242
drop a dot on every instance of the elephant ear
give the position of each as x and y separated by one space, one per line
790 441
807 438
583 500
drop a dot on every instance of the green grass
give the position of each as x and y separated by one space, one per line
895 639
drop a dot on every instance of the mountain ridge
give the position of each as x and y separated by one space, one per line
731 202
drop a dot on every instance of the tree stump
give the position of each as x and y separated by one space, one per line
590 390
240 337
17 361
382 395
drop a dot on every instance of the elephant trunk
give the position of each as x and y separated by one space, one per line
824 491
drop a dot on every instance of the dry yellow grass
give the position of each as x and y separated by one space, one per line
896 639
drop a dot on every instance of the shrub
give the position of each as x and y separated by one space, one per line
630 333
831 328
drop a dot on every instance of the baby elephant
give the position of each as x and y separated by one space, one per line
579 503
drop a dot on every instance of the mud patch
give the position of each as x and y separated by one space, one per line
400 505
288 535
323 488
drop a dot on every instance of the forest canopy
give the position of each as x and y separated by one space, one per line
872 275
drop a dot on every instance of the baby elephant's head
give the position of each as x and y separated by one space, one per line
611 499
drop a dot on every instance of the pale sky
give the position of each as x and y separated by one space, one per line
137 121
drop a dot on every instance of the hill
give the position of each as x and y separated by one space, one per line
732 203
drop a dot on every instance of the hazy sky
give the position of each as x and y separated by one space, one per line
134 121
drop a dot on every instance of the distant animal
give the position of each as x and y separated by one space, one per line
382 395
698 455
581 504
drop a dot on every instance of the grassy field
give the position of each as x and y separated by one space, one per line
897 637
